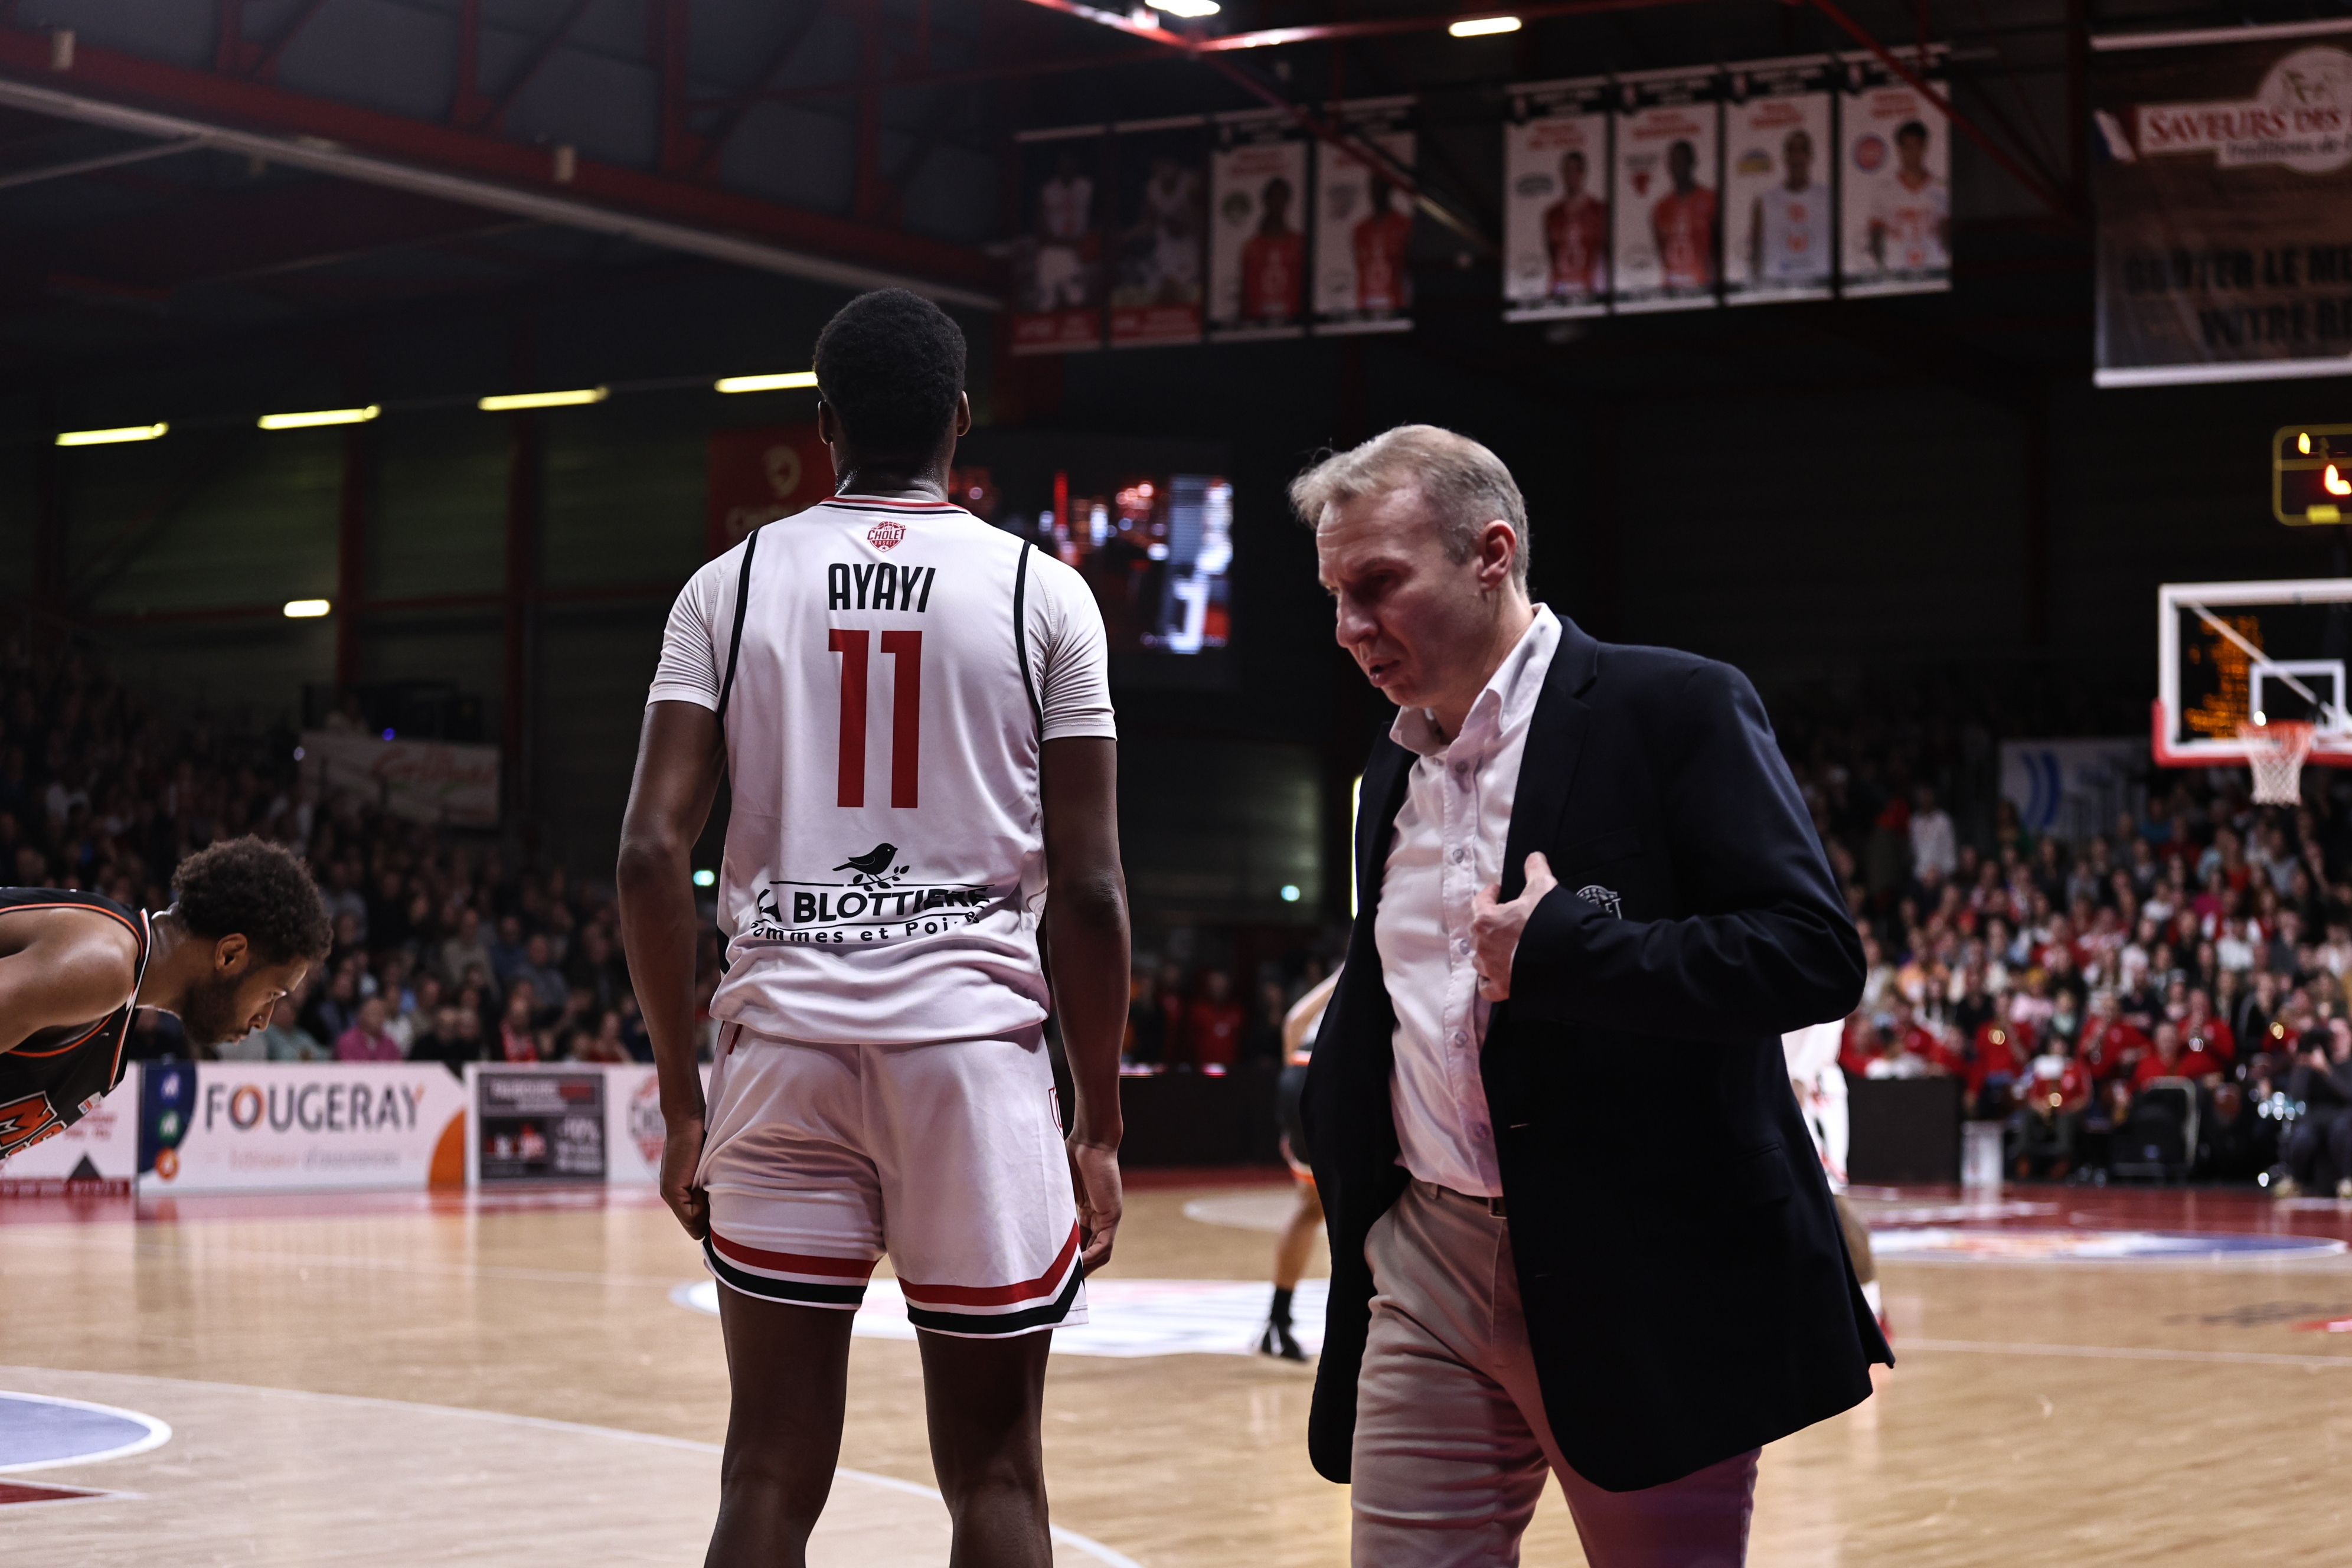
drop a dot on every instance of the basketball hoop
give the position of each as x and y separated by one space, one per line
2275 752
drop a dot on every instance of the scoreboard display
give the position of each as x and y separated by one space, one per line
2311 474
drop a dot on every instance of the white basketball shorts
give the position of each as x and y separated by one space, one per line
947 1157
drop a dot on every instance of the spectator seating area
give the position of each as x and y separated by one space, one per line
2164 1001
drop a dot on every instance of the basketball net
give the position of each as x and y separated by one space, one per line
2275 752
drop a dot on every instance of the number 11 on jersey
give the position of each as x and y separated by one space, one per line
906 713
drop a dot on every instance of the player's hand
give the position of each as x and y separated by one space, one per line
681 1152
1094 1175
1494 928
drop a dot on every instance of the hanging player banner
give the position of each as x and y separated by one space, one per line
1058 263
1162 213
1555 209
421 781
758 476
2223 190
1894 181
1781 239
1664 192
1363 223
1257 240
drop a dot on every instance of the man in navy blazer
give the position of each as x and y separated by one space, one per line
1577 1224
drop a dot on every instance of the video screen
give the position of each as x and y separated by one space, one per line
1154 540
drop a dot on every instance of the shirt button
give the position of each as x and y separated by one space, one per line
1461 768
1460 855
1460 1038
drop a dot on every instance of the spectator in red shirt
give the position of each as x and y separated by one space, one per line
2168 1060
367 1041
2204 1031
1214 1022
1997 1059
2109 1047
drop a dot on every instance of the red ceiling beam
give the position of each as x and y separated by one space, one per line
266 67
495 115
204 95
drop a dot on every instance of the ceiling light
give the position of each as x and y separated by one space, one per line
320 417
1479 27
306 609
543 400
109 437
1186 7
783 383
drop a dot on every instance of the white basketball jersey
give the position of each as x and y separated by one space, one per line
1796 238
885 862
1913 222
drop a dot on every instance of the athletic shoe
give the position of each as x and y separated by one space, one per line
1277 1340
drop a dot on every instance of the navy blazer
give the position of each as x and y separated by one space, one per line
1687 1290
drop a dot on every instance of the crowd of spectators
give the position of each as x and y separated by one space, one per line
449 946
2202 943
2167 997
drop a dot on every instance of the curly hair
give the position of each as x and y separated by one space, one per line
257 890
891 364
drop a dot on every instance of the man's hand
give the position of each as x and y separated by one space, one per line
1094 1174
681 1152
1494 928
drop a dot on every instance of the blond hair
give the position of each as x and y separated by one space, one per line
1464 484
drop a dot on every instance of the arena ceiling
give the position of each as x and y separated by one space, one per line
171 171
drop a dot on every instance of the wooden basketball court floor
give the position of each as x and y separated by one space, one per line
2086 1378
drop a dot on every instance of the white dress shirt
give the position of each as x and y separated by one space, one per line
1449 844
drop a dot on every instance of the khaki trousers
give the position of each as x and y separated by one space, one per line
1452 1442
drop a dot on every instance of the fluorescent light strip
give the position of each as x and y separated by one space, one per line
109 437
1186 7
511 402
784 383
306 609
320 417
1479 27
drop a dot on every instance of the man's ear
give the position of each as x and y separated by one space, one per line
828 427
1498 550
963 413
232 955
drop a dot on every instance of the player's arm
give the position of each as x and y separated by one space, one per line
78 970
670 801
1087 935
1304 1010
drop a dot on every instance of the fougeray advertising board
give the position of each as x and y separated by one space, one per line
211 1126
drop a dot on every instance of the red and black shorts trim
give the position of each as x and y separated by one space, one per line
805 1279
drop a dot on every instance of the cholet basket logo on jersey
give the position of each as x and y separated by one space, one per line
880 902
886 533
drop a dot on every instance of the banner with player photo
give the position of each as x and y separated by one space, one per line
1257 233
1159 219
2222 185
1057 262
1664 192
1555 208
1779 239
1363 224
1894 181
758 475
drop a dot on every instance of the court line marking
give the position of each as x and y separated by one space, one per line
344 1260
2127 1352
158 1432
1087 1544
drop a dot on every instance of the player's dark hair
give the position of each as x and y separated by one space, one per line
257 890
1912 128
891 364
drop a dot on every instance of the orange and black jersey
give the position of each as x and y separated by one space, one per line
54 1077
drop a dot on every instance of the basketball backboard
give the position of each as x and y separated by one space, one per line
2230 654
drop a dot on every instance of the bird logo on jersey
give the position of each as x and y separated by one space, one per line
886 533
871 870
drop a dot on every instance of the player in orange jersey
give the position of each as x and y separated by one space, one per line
247 923
1576 234
1682 224
1380 237
1274 259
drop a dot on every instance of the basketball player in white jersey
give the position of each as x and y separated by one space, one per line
912 712
1788 226
1820 1084
1911 214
